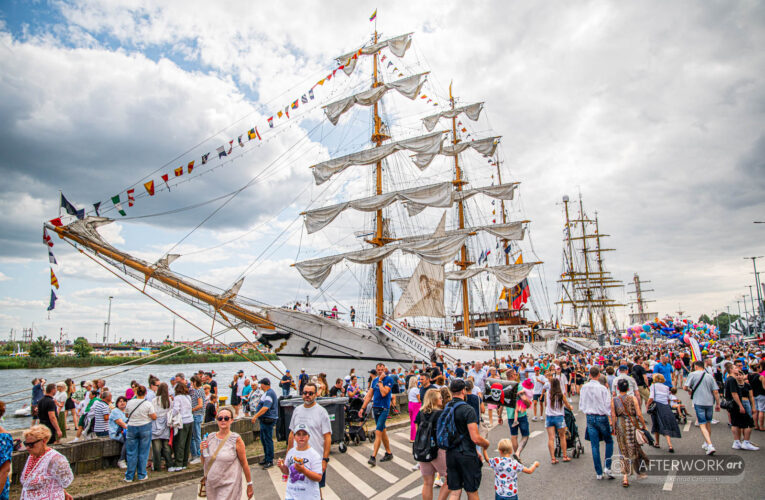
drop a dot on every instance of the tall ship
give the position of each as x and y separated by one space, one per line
434 251
586 303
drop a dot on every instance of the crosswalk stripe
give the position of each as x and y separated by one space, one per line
401 446
352 479
164 496
391 491
417 490
687 426
328 494
377 470
275 474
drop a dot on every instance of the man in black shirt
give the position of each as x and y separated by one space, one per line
49 413
337 389
459 372
638 373
463 467
212 383
425 385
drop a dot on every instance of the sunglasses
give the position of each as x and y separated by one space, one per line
223 419
308 393
30 444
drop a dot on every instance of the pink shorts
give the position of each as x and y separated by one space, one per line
491 406
437 465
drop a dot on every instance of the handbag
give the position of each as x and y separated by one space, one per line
642 436
652 408
203 482
727 404
701 379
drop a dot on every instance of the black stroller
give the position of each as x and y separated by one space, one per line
354 425
573 442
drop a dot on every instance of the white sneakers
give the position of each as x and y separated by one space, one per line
174 469
746 445
608 474
195 460
438 482
715 421
710 449
416 466
121 464
736 445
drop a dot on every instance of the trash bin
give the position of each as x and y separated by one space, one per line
334 406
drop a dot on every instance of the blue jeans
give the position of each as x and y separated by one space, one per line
267 438
196 436
704 414
137 447
497 496
747 406
285 391
599 430
523 426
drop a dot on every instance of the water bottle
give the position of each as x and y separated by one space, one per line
206 451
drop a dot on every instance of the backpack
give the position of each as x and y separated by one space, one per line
447 437
425 448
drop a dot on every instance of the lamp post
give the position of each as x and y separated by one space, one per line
108 324
756 284
751 297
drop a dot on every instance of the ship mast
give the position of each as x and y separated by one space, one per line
587 290
502 207
598 250
379 240
570 271
463 263
643 314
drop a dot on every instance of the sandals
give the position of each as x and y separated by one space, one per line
554 461
656 446
626 483
566 459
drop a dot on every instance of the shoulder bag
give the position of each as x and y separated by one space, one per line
701 379
202 482
642 436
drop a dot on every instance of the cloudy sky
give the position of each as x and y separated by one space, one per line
654 112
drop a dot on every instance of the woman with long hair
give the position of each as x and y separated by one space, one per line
413 395
430 412
160 430
555 401
323 388
70 405
625 413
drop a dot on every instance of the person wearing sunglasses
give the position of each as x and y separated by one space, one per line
314 418
220 453
47 472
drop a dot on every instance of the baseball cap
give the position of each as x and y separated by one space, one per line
623 367
302 427
240 371
286 371
265 381
457 385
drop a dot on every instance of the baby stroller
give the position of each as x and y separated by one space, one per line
680 414
573 442
354 425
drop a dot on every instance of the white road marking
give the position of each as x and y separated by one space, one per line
387 476
275 474
687 426
416 491
401 446
164 496
535 434
391 491
328 494
669 482
352 478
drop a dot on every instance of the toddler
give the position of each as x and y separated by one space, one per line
506 471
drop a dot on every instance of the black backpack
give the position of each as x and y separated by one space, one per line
425 448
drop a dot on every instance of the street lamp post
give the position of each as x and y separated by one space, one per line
108 321
751 297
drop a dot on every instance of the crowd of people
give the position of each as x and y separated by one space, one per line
617 389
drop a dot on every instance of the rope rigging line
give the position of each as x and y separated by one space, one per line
237 351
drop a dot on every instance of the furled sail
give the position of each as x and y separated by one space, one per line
507 231
508 276
485 146
433 195
437 251
397 45
472 111
408 87
424 144
500 192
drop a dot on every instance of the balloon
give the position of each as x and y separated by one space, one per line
626 336
704 352
646 328
687 338
643 335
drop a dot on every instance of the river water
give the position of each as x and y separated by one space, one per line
15 380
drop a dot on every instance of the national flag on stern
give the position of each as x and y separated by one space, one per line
190 166
520 293
118 205
53 300
221 152
149 187
46 237
53 280
373 16
131 198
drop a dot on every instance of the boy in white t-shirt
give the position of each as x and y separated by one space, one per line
303 468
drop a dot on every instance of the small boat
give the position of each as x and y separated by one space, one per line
25 411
